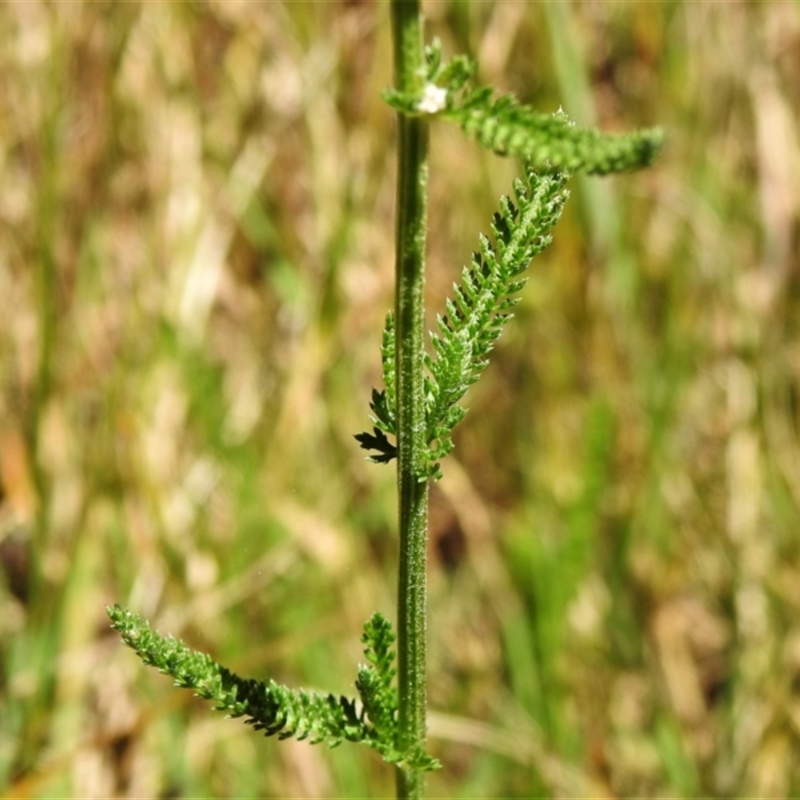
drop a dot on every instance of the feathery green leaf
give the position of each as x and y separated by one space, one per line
481 304
279 710
376 688
550 142
483 301
268 706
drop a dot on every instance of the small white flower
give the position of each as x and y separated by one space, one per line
433 99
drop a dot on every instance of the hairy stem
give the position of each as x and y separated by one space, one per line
412 189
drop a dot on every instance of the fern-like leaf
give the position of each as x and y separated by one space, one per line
267 706
550 142
375 685
279 710
482 303
474 317
376 688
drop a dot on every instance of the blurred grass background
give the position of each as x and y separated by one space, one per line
195 261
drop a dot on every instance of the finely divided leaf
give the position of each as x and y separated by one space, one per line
482 303
550 142
474 317
267 706
279 710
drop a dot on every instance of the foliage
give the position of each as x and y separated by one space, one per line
467 333
280 710
549 142
474 318
552 148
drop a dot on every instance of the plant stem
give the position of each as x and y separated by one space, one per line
412 191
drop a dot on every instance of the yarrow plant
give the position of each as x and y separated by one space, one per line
416 411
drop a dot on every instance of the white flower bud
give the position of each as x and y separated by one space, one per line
433 99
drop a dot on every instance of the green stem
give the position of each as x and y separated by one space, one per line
412 191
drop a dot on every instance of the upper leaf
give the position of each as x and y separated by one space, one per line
550 142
